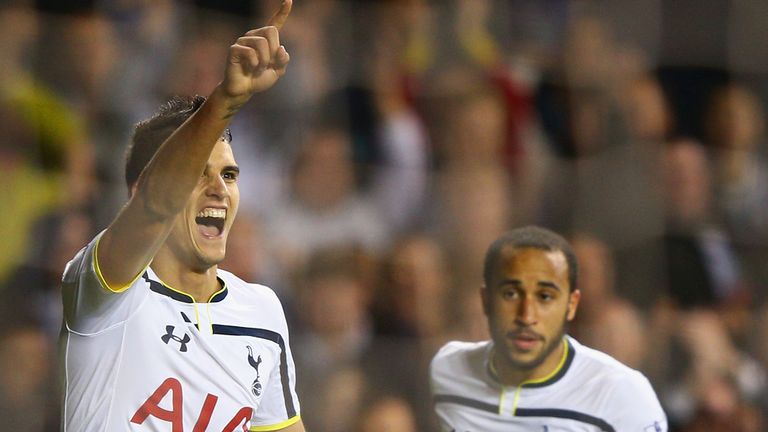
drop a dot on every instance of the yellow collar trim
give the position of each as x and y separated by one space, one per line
560 364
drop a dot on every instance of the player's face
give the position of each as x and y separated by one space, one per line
528 304
200 232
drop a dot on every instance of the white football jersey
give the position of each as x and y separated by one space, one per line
589 391
148 358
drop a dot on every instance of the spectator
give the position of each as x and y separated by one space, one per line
702 267
408 299
606 321
334 333
736 134
325 208
28 191
387 414
27 403
707 308
34 286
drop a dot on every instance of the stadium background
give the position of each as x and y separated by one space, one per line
405 136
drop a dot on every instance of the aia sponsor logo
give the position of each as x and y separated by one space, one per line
172 388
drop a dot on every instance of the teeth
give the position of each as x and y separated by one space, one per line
213 213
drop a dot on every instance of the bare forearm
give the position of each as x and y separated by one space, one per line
254 64
175 169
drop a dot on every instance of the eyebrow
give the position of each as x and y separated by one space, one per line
228 168
543 284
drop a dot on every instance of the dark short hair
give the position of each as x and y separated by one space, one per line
150 134
531 237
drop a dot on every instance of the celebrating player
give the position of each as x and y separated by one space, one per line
157 337
531 376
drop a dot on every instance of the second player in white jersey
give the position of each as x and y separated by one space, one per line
531 376
588 391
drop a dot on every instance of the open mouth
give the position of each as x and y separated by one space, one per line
210 222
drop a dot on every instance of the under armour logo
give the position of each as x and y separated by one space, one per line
256 386
169 335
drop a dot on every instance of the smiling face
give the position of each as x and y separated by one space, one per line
199 234
528 302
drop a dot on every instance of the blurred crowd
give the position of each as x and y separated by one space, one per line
405 136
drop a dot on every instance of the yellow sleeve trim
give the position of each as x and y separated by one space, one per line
274 427
100 276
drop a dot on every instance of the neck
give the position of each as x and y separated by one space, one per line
199 284
512 375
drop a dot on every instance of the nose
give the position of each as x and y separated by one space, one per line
216 187
527 315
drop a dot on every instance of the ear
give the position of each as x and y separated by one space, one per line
486 299
573 304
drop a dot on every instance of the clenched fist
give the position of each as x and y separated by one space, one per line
256 60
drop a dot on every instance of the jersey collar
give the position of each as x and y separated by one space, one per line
161 288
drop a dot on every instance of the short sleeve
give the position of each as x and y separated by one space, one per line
279 408
89 306
635 406
438 372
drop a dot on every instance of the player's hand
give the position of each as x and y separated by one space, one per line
256 60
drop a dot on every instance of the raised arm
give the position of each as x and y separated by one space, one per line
255 62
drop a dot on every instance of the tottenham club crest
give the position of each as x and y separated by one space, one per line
256 386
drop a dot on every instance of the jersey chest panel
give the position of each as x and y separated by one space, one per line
218 368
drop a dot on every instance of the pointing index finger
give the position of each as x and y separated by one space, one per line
278 19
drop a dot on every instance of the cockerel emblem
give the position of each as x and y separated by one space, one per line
256 386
